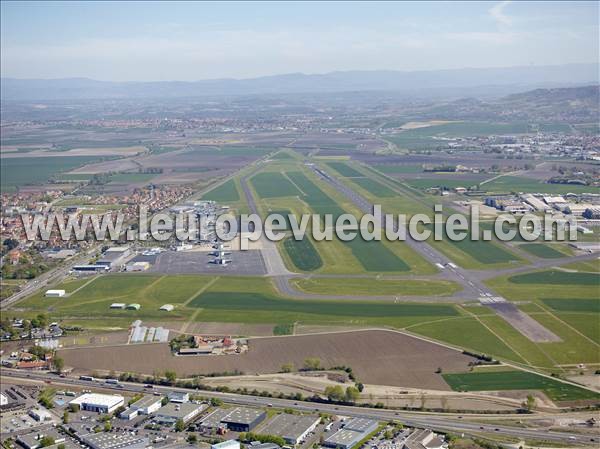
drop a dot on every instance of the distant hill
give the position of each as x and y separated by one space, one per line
560 96
483 81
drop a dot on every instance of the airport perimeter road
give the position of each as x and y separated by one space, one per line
454 423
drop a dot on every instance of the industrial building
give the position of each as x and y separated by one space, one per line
424 439
33 440
117 305
114 257
229 444
55 293
292 428
172 412
178 396
90 268
213 420
111 440
41 415
243 419
352 433
147 405
101 403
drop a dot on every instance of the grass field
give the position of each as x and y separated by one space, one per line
523 184
344 169
573 305
132 177
517 380
374 287
374 187
445 182
273 185
397 169
303 254
542 250
226 192
556 277
20 171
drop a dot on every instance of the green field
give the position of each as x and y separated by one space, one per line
132 177
393 169
517 380
273 185
556 277
573 305
541 250
21 171
303 254
226 192
257 302
522 184
375 188
375 287
345 170
445 182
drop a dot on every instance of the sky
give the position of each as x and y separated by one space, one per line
155 41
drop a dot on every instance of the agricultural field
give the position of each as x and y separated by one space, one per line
225 193
273 185
18 172
303 254
542 250
376 357
518 380
132 177
345 170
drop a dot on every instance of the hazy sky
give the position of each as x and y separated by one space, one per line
192 41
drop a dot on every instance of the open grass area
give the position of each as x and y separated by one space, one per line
398 169
236 301
303 254
517 380
374 287
273 185
444 181
556 277
226 192
542 250
132 177
573 305
344 169
374 187
21 171
524 184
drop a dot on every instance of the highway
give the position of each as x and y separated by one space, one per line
454 423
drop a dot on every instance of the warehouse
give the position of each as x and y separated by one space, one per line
229 444
292 428
363 425
101 403
179 396
134 306
172 412
114 257
213 420
147 405
115 441
243 419
117 305
55 293
352 433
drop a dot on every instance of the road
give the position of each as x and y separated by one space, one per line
437 422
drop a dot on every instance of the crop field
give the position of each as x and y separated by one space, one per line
408 287
132 177
573 305
556 277
345 170
374 187
517 380
273 185
226 192
444 182
303 254
16 172
542 250
398 169
377 357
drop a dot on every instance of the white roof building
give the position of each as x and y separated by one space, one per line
101 403
229 444
55 293
167 308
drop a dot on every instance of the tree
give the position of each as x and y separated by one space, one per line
66 417
360 386
529 403
46 441
352 394
216 402
59 364
179 425
335 393
107 426
171 376
287 368
192 438
312 363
